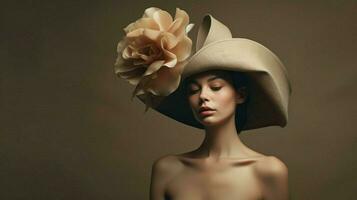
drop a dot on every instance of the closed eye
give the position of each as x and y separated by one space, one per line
216 88
191 91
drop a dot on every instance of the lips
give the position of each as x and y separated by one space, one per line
206 110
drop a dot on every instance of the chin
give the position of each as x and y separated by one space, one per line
214 120
210 121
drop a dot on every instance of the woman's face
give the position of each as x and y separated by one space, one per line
213 98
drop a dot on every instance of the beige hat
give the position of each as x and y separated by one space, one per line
269 86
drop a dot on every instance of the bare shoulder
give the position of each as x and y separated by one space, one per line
166 166
166 162
271 168
163 171
273 174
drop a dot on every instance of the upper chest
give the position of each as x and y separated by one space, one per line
223 181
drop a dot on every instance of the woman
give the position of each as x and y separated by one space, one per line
229 85
214 96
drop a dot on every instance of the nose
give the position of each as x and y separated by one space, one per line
204 96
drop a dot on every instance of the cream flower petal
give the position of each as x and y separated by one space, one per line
130 27
170 57
141 41
163 19
149 12
135 33
119 63
136 55
130 52
151 34
144 57
139 92
132 73
147 23
168 41
167 81
134 80
176 24
121 68
182 15
139 62
182 49
154 67
141 33
180 31
120 47
171 62
127 53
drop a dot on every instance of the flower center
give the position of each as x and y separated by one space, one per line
151 51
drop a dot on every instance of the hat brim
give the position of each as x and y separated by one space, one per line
268 84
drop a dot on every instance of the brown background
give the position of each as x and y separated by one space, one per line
70 131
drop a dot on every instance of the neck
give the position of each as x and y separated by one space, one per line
222 141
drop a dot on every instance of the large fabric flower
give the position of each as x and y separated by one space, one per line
153 52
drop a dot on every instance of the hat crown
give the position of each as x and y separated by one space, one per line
211 30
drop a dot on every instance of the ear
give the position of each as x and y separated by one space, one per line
241 95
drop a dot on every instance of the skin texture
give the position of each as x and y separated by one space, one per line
222 168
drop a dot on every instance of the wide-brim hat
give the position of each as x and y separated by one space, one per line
268 83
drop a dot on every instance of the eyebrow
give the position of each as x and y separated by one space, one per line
213 78
209 80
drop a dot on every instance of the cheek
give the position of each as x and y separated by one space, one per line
193 103
226 101
192 100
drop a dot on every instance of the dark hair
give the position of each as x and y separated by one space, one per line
239 79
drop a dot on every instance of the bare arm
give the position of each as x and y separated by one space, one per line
274 176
